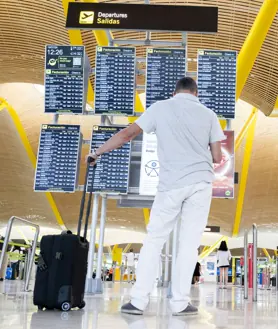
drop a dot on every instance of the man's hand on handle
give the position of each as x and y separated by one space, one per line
91 158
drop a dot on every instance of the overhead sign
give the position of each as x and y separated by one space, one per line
164 68
66 79
217 81
112 172
223 186
142 17
115 81
58 158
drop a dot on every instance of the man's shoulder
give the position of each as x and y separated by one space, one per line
206 109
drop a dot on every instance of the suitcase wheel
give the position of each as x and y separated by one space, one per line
65 307
82 305
40 308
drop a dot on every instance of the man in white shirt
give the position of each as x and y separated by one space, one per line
130 265
189 140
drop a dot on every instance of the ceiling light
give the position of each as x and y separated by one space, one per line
123 227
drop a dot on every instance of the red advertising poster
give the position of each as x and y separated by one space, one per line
250 265
223 186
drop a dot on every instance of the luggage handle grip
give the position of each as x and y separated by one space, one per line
90 160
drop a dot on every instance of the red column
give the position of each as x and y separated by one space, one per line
250 264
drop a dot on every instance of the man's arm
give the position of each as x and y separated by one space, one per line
216 152
118 140
216 137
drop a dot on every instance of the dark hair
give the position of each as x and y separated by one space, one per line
223 246
186 84
131 250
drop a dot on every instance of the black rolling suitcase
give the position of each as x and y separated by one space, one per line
62 265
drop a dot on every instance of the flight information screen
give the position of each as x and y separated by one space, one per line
66 81
58 158
115 81
217 81
112 172
164 68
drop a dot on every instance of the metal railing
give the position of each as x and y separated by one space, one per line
34 245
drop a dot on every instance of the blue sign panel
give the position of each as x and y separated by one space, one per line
115 81
217 81
66 79
58 158
164 68
112 172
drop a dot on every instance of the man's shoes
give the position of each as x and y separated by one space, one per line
130 309
189 310
1 279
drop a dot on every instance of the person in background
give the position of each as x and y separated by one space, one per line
189 139
14 260
196 274
5 262
130 265
223 260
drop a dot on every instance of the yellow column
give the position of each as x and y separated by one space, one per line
244 174
233 270
254 41
244 129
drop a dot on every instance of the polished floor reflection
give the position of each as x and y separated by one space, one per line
218 309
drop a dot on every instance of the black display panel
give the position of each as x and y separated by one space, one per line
142 17
115 81
217 81
164 68
58 158
112 172
65 79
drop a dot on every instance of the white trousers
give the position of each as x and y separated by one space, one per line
192 204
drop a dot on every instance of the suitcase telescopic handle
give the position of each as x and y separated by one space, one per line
89 161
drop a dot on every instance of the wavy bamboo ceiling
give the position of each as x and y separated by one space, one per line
27 26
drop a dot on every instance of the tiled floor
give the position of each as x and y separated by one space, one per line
218 309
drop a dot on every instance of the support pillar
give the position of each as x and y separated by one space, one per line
99 284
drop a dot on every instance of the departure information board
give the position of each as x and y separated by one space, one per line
66 79
115 81
58 158
217 81
112 172
164 68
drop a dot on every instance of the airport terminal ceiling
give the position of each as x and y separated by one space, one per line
27 26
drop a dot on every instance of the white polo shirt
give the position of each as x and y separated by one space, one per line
130 259
184 129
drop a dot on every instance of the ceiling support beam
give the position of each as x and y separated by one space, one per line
207 252
23 136
244 129
127 248
267 254
254 42
244 173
